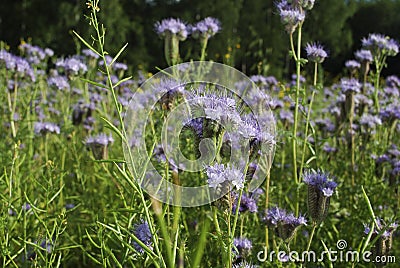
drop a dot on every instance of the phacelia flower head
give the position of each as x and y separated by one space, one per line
352 65
285 224
315 52
348 85
98 145
242 247
244 264
172 27
143 233
59 82
219 174
290 15
72 66
17 64
320 188
41 128
379 44
206 28
363 55
383 244
247 203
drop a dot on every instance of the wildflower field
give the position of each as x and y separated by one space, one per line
200 164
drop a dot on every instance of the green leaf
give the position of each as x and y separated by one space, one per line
94 83
86 43
122 80
118 54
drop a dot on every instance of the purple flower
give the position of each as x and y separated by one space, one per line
290 15
325 125
329 149
143 233
206 28
320 188
350 85
72 66
99 144
286 116
17 64
363 55
41 128
34 54
390 112
90 54
59 82
242 247
322 181
244 264
315 52
247 203
393 81
172 27
352 64
219 173
101 139
370 121
285 224
379 44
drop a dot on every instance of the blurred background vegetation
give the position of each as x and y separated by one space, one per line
252 39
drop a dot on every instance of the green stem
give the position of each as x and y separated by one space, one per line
296 111
310 239
203 49
308 119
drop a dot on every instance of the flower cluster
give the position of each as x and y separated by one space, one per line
18 65
285 224
320 188
205 28
172 27
35 54
384 234
41 128
247 203
242 247
315 52
98 145
71 66
219 174
143 233
291 15
379 45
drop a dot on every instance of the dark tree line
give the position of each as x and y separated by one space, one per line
252 38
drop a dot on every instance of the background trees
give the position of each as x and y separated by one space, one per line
252 38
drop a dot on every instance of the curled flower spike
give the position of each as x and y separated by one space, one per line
379 45
363 55
291 16
315 52
143 233
384 232
219 174
320 189
172 26
206 28
242 248
285 224
98 145
172 31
